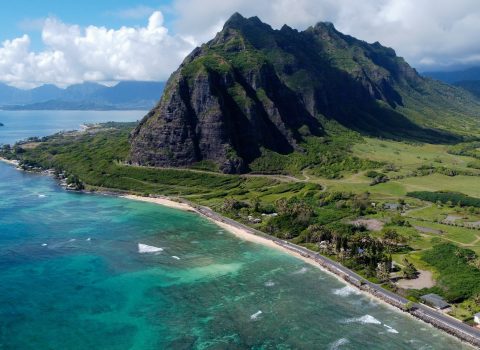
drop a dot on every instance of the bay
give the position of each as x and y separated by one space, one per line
19 125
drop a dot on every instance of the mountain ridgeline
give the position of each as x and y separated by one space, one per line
253 88
85 96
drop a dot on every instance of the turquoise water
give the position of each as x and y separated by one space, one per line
72 277
19 125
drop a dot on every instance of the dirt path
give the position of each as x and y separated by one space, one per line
424 280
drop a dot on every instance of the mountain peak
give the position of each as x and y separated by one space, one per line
325 25
237 21
252 89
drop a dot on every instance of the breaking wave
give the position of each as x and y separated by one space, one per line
269 284
390 329
346 291
338 343
256 315
144 248
365 319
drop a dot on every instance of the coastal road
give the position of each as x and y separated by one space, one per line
437 318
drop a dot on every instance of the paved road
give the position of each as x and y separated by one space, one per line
437 317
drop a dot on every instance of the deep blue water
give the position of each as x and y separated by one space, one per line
72 277
19 125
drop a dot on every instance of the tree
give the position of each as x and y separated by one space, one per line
230 204
409 270
75 181
392 239
255 202
282 206
383 271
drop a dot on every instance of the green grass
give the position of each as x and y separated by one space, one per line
98 159
436 182
458 280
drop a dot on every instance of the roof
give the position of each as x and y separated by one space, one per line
435 301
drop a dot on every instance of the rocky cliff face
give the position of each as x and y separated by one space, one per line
253 87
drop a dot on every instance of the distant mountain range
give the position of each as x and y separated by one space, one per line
93 96
467 79
453 77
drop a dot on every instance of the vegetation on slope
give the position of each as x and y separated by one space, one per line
323 213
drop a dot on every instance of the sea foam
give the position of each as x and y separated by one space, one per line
256 315
365 319
301 271
346 291
338 343
390 329
144 248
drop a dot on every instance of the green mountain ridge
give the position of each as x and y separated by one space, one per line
253 90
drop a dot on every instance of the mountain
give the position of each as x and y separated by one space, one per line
473 86
124 95
253 88
455 76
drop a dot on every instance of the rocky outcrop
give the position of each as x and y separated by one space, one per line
254 88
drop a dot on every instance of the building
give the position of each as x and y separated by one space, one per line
435 301
392 206
476 318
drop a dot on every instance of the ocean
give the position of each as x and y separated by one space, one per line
73 276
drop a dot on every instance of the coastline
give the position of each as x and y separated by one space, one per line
349 278
238 232
449 325
8 161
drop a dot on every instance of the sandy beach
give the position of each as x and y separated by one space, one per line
161 201
8 161
247 236
238 232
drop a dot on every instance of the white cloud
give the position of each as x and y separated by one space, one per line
428 33
74 54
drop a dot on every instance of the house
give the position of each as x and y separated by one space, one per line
476 318
435 301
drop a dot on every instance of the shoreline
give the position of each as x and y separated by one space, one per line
445 323
326 265
238 232
8 161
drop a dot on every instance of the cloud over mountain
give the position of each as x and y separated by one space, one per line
430 34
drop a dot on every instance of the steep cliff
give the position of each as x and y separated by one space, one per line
254 88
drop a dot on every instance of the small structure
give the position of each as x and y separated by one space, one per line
391 206
254 220
435 301
476 319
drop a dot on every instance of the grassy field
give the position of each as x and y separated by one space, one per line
408 156
312 204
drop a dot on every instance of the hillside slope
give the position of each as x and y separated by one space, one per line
253 89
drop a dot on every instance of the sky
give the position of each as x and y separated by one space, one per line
65 42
